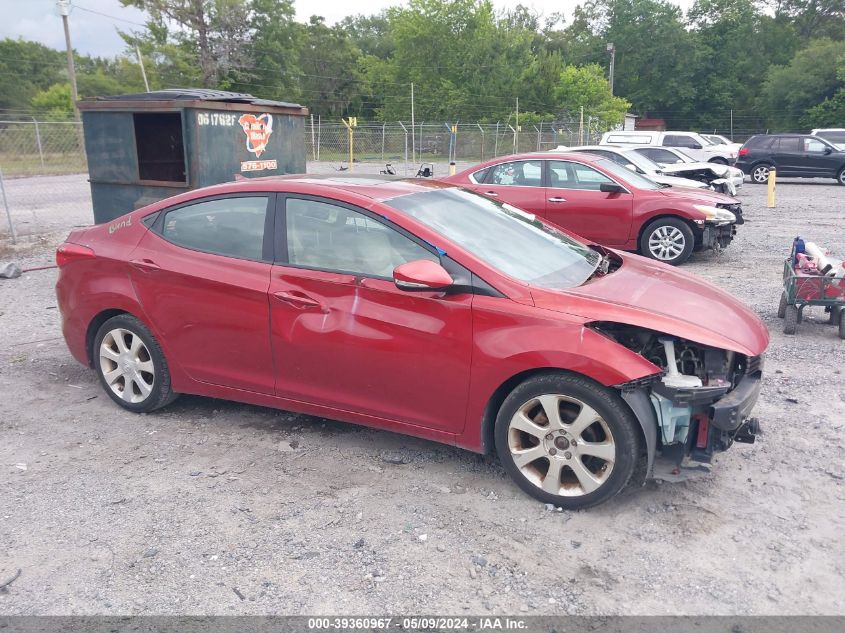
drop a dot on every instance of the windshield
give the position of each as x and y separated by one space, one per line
836 137
626 175
507 239
638 160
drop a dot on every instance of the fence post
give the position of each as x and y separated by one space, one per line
404 129
313 147
538 136
496 145
514 138
8 213
319 130
382 141
38 140
482 141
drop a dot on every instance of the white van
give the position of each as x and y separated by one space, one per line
691 142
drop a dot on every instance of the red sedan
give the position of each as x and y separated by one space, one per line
604 201
421 308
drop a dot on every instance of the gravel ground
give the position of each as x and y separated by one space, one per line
211 507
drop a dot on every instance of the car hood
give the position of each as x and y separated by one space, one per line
674 181
680 168
658 297
699 195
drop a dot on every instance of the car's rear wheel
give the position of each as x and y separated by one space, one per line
567 440
131 366
760 173
840 178
668 240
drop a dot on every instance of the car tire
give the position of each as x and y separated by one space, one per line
842 324
790 320
669 240
840 177
566 440
760 173
782 305
131 366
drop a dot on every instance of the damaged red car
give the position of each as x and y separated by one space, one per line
421 308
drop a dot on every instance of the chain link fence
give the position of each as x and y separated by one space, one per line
405 146
43 178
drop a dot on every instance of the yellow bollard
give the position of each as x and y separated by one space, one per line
350 125
770 202
452 168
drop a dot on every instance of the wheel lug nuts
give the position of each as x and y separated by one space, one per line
549 436
552 451
567 455
573 443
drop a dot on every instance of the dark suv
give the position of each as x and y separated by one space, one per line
792 155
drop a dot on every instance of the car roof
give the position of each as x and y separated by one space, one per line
376 186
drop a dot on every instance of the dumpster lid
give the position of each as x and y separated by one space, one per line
186 97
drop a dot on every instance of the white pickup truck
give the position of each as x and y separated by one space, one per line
691 142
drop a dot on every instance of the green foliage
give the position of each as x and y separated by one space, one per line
812 76
54 103
829 113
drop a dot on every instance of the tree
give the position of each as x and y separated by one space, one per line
214 32
54 103
26 68
587 87
813 76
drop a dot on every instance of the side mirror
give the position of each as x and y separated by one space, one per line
827 150
632 167
421 275
695 146
611 187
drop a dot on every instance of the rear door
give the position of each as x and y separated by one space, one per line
518 182
575 202
788 156
201 275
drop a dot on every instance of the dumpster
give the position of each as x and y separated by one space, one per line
145 147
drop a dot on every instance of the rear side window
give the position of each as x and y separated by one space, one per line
523 173
789 144
633 139
760 142
679 140
480 175
232 227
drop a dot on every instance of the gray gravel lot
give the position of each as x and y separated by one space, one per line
211 507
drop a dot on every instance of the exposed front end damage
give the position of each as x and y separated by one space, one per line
698 404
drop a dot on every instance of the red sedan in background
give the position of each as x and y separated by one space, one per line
603 201
417 307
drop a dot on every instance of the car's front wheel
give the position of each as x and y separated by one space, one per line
840 177
668 240
760 174
567 440
131 366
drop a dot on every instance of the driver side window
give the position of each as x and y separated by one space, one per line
327 236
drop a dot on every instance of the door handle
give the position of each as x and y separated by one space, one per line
491 193
298 299
145 265
557 199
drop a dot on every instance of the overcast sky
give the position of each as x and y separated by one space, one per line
96 34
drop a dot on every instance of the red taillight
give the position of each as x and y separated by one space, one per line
743 151
67 253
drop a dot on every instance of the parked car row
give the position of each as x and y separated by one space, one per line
693 143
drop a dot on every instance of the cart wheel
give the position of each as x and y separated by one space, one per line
835 311
790 320
782 306
842 324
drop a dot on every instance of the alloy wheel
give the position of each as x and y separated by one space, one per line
126 365
561 445
666 243
760 174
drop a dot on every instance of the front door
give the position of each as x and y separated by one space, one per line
820 159
574 202
201 275
344 336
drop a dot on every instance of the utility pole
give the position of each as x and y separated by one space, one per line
413 134
612 50
64 11
146 83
